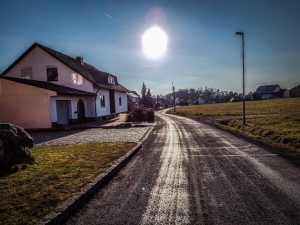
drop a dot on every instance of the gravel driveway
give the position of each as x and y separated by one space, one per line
88 135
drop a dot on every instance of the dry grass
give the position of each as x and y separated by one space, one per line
276 106
278 131
58 173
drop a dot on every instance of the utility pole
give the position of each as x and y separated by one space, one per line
243 59
173 90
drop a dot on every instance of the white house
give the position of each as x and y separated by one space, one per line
133 99
271 91
200 100
44 87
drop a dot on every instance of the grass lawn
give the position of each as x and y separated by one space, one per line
58 173
280 129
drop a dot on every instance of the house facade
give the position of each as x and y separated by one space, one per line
199 101
44 88
133 100
267 91
295 92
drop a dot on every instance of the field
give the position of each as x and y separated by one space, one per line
58 172
272 122
277 106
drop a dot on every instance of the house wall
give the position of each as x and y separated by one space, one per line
102 111
25 106
39 61
294 92
266 96
277 89
73 100
124 106
200 100
286 94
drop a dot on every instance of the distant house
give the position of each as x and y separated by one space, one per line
283 93
44 88
267 91
295 92
133 100
200 101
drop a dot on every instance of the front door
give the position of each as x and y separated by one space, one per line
62 111
112 101
81 111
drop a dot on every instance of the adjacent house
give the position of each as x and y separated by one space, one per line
133 100
44 88
295 92
267 91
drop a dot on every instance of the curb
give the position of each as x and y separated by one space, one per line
69 206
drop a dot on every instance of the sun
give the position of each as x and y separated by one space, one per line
154 42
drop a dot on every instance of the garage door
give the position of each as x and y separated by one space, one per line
62 109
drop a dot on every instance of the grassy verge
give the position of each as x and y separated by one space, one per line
278 131
58 173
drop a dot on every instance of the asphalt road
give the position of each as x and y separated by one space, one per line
191 173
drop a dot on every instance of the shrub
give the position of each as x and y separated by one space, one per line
138 115
150 115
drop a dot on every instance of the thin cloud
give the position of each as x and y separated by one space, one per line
124 25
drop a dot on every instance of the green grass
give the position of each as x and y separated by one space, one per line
58 173
276 106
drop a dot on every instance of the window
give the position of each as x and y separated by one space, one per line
102 100
111 80
120 101
26 73
52 74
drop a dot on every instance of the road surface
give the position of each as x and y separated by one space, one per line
191 173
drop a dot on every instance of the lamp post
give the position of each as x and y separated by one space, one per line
243 58
173 91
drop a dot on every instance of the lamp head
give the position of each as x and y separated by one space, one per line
239 33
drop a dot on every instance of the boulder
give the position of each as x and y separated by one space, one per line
15 145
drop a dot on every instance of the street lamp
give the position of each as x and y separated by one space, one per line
173 90
243 58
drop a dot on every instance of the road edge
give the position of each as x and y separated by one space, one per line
67 208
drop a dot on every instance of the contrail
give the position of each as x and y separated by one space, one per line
119 22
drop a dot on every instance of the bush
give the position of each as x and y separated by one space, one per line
150 115
138 115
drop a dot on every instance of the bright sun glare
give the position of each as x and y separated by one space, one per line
154 42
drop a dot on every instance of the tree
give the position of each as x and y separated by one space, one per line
144 97
149 99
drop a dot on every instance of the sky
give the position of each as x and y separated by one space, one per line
202 48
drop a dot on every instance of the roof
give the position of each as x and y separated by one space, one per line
131 94
86 70
134 92
295 88
60 90
266 89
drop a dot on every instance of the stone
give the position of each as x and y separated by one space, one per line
15 145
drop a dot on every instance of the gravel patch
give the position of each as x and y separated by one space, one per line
88 135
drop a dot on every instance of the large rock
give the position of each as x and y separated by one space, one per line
15 145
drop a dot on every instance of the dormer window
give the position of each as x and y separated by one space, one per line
111 80
52 74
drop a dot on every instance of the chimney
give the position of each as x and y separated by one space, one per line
79 59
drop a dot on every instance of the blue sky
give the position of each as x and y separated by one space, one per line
203 49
